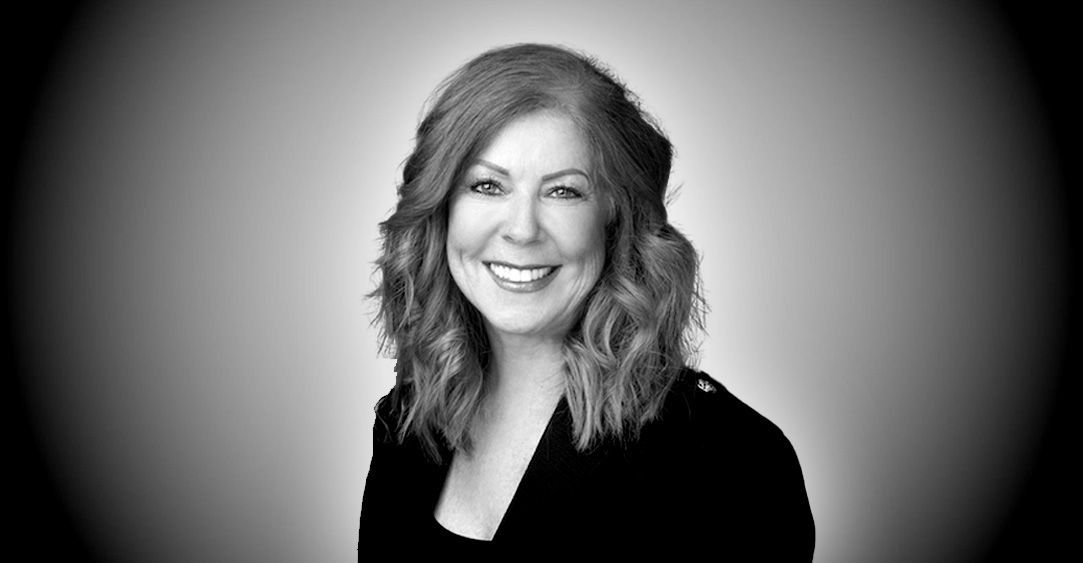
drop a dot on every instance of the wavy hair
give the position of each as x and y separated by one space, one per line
636 328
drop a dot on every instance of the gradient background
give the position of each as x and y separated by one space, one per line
877 191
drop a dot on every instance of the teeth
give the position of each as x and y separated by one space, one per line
519 276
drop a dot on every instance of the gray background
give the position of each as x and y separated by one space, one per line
865 183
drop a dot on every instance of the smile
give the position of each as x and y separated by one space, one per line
521 280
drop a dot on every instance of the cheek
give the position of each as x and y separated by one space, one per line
460 247
463 234
587 242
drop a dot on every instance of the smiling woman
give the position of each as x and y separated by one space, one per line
541 308
537 235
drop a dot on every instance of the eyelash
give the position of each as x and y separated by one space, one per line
476 187
484 186
576 194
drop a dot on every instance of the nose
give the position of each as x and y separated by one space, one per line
521 225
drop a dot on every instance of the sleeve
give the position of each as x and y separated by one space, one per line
787 529
759 506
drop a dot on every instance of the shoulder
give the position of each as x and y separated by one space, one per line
734 457
698 404
385 429
389 432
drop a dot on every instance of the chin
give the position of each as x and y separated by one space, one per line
512 324
517 329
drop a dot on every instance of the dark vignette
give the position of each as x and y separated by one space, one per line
1039 527
39 525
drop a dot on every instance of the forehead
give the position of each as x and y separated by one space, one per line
538 140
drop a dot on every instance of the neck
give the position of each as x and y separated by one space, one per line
526 369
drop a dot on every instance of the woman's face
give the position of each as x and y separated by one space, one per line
526 228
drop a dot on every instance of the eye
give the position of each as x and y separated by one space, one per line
564 192
486 186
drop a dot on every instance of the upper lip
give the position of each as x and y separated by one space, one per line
520 267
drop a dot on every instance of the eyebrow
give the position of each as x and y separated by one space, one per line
546 178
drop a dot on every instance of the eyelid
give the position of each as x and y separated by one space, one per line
574 191
474 186
478 182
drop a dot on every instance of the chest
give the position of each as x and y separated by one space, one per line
481 484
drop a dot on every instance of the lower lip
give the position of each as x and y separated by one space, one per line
523 287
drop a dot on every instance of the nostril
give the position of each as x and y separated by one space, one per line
522 225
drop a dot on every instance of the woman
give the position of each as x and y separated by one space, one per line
539 305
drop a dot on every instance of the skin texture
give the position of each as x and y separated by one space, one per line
504 211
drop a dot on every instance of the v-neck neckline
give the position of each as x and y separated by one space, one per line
557 423
555 443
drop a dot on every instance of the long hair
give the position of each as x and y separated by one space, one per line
634 333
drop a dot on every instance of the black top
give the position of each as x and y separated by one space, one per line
708 476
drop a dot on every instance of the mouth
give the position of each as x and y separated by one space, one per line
521 278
